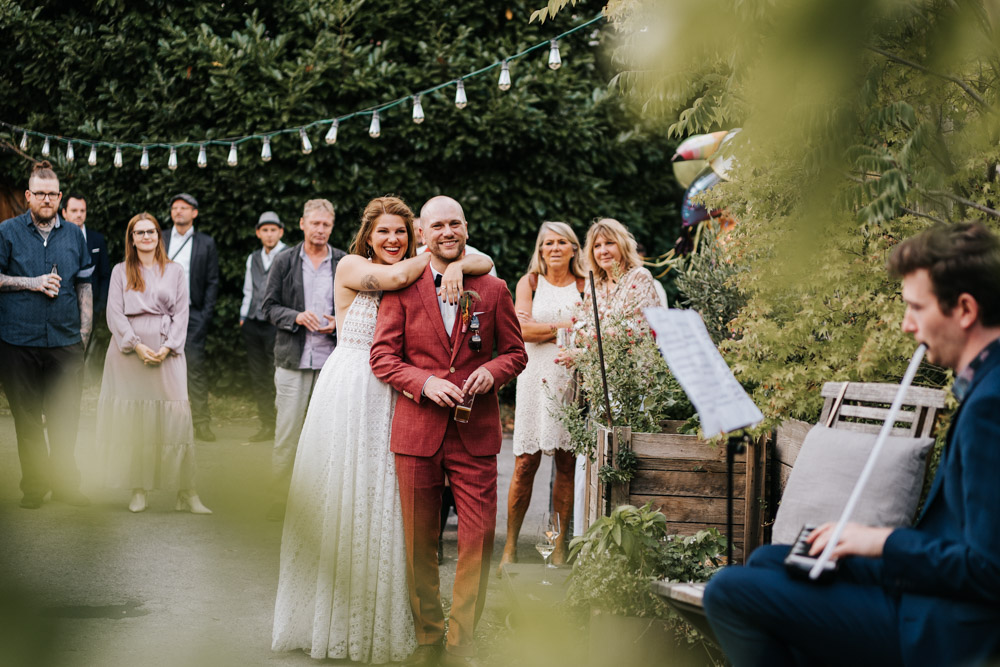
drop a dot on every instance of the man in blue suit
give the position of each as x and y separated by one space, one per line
75 211
926 595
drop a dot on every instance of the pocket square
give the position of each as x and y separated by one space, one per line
479 312
95 250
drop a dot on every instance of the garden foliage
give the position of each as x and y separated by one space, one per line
556 146
862 123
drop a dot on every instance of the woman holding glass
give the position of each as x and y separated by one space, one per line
144 428
545 299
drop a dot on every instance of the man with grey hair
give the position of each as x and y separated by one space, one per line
299 302
46 318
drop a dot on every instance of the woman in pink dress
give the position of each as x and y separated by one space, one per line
144 430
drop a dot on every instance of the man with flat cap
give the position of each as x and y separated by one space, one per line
258 332
195 251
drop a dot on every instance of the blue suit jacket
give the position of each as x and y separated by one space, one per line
102 269
947 567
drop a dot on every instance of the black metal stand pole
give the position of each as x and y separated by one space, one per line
600 350
734 445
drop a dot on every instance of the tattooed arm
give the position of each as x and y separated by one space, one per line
358 274
47 284
85 299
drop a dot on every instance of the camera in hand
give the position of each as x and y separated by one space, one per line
798 562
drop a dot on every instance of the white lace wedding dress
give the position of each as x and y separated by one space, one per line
342 589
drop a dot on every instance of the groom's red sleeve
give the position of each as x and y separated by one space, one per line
511 357
387 350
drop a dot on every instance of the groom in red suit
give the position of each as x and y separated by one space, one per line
429 352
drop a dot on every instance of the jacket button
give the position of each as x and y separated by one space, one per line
452 369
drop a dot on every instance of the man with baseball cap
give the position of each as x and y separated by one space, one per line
195 251
258 332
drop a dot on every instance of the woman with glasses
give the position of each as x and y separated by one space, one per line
144 428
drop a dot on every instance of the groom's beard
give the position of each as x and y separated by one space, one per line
450 254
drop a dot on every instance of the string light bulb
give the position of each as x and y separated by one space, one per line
46 148
375 129
504 81
172 160
70 155
307 146
460 99
118 157
202 157
265 150
144 160
418 110
24 141
331 134
92 159
232 160
555 60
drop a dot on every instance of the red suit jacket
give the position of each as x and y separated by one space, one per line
411 344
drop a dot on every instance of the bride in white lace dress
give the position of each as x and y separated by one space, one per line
342 589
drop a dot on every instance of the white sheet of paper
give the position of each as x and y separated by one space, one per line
701 371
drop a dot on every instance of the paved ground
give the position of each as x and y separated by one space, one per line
101 586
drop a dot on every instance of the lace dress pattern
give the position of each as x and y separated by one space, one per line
541 385
342 590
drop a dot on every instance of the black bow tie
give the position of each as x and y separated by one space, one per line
437 280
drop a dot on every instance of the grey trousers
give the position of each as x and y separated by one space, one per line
292 390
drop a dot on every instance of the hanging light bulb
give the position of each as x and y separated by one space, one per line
504 81
24 141
232 161
118 157
70 155
460 99
92 160
265 150
331 134
202 157
418 110
45 148
172 160
375 129
307 147
555 61
144 160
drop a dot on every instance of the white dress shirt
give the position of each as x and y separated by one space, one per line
449 312
182 255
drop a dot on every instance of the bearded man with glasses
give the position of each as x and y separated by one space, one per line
46 317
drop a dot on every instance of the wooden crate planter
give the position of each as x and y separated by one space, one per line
685 478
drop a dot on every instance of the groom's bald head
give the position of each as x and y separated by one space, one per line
445 230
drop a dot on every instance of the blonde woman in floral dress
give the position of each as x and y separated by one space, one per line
623 285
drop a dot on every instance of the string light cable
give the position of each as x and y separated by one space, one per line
374 113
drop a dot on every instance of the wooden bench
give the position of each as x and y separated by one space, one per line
853 406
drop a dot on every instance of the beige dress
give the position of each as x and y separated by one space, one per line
145 436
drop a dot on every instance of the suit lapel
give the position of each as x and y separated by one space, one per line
428 294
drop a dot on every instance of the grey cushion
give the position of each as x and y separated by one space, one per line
827 468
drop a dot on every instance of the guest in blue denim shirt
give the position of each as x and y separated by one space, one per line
46 316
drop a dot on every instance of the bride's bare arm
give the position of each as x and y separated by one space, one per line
357 273
451 279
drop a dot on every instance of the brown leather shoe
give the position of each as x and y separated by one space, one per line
426 655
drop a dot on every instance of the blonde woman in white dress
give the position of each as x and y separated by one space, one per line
545 300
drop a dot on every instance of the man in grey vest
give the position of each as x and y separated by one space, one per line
258 332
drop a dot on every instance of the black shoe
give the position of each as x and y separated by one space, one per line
204 432
276 512
74 498
263 435
31 502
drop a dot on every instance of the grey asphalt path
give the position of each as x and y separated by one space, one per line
101 586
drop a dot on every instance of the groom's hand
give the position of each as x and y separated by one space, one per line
442 392
480 382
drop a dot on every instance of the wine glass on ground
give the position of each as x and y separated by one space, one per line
545 548
553 531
